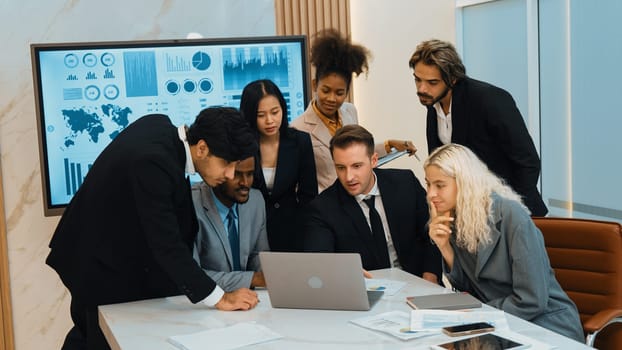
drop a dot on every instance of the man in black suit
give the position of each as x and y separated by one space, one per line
478 115
379 213
128 232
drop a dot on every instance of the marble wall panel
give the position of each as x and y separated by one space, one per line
40 301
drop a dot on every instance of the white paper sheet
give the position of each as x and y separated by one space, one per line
395 323
427 320
231 337
390 287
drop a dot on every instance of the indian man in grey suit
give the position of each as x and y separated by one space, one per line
232 229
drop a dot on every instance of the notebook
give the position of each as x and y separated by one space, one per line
447 301
330 281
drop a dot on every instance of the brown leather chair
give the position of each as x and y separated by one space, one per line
587 258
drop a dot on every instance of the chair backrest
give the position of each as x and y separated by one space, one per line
587 258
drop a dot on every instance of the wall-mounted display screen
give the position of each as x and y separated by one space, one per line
87 93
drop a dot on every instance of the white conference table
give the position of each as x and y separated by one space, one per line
147 324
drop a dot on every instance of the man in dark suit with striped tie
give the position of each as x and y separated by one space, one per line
379 213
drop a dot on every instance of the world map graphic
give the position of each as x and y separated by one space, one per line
93 122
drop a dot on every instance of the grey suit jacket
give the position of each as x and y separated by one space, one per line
212 249
513 272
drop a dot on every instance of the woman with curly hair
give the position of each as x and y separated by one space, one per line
335 60
490 246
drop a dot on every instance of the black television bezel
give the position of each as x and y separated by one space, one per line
35 48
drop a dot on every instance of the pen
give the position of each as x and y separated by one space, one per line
393 149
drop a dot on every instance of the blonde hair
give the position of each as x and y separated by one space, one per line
475 184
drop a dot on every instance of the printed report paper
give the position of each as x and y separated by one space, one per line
226 338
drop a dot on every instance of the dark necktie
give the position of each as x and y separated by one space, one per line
234 240
378 233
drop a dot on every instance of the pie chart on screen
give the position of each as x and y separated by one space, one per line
201 60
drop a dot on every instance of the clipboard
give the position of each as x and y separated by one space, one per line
389 157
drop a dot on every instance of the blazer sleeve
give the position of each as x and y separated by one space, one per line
230 281
156 185
307 182
531 270
227 280
508 126
317 233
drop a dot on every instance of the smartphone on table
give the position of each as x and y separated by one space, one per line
469 328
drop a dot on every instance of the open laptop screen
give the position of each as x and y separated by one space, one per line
332 281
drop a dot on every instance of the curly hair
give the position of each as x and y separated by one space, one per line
333 53
475 184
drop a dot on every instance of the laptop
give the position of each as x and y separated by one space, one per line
329 281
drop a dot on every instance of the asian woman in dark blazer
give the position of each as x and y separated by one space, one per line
284 168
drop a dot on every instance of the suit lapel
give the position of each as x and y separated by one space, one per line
259 181
432 130
484 251
214 219
321 133
459 120
245 234
285 158
355 213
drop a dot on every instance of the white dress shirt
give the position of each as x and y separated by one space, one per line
214 297
444 123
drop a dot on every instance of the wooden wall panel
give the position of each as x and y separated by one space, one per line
6 319
307 17
295 17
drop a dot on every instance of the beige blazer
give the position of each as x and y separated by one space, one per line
311 123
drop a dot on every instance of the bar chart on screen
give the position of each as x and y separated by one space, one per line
75 172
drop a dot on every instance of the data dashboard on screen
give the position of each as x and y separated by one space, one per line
87 93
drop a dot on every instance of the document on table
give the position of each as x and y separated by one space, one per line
429 320
395 323
390 287
231 337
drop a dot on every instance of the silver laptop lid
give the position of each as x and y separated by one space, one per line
332 281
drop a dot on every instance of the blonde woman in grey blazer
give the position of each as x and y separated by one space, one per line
490 246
